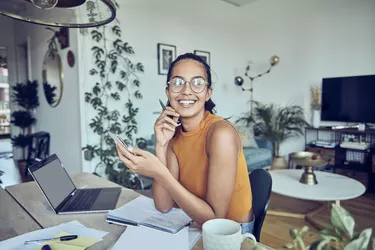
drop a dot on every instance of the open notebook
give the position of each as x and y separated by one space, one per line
141 211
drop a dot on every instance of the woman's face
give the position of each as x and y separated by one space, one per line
187 102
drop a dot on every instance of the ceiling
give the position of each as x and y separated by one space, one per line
239 2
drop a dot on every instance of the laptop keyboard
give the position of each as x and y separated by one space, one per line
81 201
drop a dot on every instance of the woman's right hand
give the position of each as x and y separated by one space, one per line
165 127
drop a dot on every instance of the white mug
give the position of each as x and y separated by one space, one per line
223 234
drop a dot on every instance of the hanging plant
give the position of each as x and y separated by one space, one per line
115 88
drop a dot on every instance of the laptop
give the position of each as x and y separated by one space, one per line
63 196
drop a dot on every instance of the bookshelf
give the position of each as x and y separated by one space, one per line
356 163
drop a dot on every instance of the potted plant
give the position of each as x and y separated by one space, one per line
25 96
276 124
341 235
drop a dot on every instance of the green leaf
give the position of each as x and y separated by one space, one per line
140 67
93 72
98 52
115 96
113 55
288 246
96 125
138 95
116 30
100 64
136 82
96 35
87 97
362 242
120 85
126 119
328 233
114 64
118 45
342 220
128 49
123 74
102 111
293 233
96 90
321 245
108 85
304 229
96 102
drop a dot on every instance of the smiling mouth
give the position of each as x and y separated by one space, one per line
186 102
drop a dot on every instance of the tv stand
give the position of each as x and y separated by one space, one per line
355 157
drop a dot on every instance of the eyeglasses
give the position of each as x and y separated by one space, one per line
197 84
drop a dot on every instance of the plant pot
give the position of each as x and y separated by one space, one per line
315 119
25 176
279 162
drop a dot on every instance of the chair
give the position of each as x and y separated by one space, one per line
261 185
38 148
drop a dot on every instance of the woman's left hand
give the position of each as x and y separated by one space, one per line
141 162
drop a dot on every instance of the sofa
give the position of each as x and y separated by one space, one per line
256 157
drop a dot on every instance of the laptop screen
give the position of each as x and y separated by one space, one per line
53 180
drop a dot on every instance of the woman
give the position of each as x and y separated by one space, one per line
199 165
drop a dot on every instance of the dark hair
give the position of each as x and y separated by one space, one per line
209 105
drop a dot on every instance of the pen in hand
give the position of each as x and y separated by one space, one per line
62 238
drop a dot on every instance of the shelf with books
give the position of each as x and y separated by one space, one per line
356 153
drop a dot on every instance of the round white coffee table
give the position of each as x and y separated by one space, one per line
330 187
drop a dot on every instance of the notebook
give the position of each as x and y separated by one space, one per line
142 212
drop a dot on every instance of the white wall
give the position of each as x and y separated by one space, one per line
314 39
63 121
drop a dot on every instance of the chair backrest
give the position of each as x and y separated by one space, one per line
261 186
39 146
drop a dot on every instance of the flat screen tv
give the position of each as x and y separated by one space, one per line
349 99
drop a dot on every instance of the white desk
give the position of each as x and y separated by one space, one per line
330 187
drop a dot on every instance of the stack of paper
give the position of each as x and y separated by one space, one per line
86 237
144 238
142 211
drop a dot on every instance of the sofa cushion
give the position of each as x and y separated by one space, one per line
247 136
254 156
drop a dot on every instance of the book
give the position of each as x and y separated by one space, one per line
142 212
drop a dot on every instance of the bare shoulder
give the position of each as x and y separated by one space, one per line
222 134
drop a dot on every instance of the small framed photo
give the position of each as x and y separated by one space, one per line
206 56
166 55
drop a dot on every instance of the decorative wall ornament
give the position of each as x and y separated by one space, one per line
166 55
206 56
238 80
70 58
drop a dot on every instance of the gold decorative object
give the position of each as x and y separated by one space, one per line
274 60
61 13
238 80
308 160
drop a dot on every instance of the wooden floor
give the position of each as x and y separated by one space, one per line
275 231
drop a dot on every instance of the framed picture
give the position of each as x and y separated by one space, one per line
206 56
166 55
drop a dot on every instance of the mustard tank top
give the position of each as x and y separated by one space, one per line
190 150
